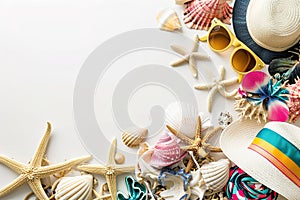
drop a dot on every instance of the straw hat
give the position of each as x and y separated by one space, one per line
269 28
241 142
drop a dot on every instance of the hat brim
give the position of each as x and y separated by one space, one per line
235 140
242 33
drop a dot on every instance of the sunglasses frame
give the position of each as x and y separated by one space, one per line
238 46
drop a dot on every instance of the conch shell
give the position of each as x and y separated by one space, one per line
134 136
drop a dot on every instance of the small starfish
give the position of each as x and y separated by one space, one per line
218 86
198 145
33 172
110 170
189 57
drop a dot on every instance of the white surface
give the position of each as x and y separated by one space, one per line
42 46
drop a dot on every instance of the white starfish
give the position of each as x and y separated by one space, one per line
189 57
218 86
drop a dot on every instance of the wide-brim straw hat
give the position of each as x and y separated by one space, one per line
270 28
235 141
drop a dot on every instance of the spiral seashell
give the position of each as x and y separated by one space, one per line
294 101
166 152
73 188
168 20
215 174
134 136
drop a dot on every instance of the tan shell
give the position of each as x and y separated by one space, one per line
73 188
181 2
119 158
168 20
133 137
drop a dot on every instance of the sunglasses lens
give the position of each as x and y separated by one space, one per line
219 38
243 61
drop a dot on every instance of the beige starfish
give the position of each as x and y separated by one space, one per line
218 86
33 172
110 170
189 57
198 145
101 195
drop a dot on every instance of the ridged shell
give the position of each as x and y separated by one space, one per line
134 136
74 188
168 20
198 14
215 174
183 117
294 101
166 152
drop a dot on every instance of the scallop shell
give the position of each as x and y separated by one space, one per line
294 101
168 20
198 14
73 188
166 152
183 117
134 136
215 174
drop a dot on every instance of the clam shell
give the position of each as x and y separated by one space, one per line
168 20
183 117
215 174
166 152
73 188
198 14
134 136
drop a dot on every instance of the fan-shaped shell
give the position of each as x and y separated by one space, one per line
198 14
166 152
294 101
168 20
134 136
215 174
74 188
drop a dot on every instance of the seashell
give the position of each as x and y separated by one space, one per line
134 136
73 188
224 119
175 188
119 158
181 2
198 14
215 174
168 20
294 101
183 117
166 152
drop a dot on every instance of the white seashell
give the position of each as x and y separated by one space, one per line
215 174
134 136
168 20
183 117
73 188
166 152
175 189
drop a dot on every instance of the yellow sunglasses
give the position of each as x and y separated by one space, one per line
243 60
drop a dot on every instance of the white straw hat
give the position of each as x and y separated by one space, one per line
251 147
274 24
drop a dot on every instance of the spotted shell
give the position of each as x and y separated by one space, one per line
198 14
294 101
73 188
166 152
215 174
134 136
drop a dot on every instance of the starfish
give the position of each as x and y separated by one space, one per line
218 86
110 170
189 57
33 172
198 145
101 195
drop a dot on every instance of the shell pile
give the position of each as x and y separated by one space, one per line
134 136
168 20
294 101
198 14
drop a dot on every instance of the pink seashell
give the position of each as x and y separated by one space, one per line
198 14
166 152
294 101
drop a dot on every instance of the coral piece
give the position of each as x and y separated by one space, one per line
73 188
218 86
136 191
166 152
294 101
33 172
134 136
167 19
198 14
189 57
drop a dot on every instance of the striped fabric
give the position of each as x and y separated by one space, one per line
280 152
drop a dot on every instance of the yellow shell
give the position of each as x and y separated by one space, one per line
168 20
133 137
